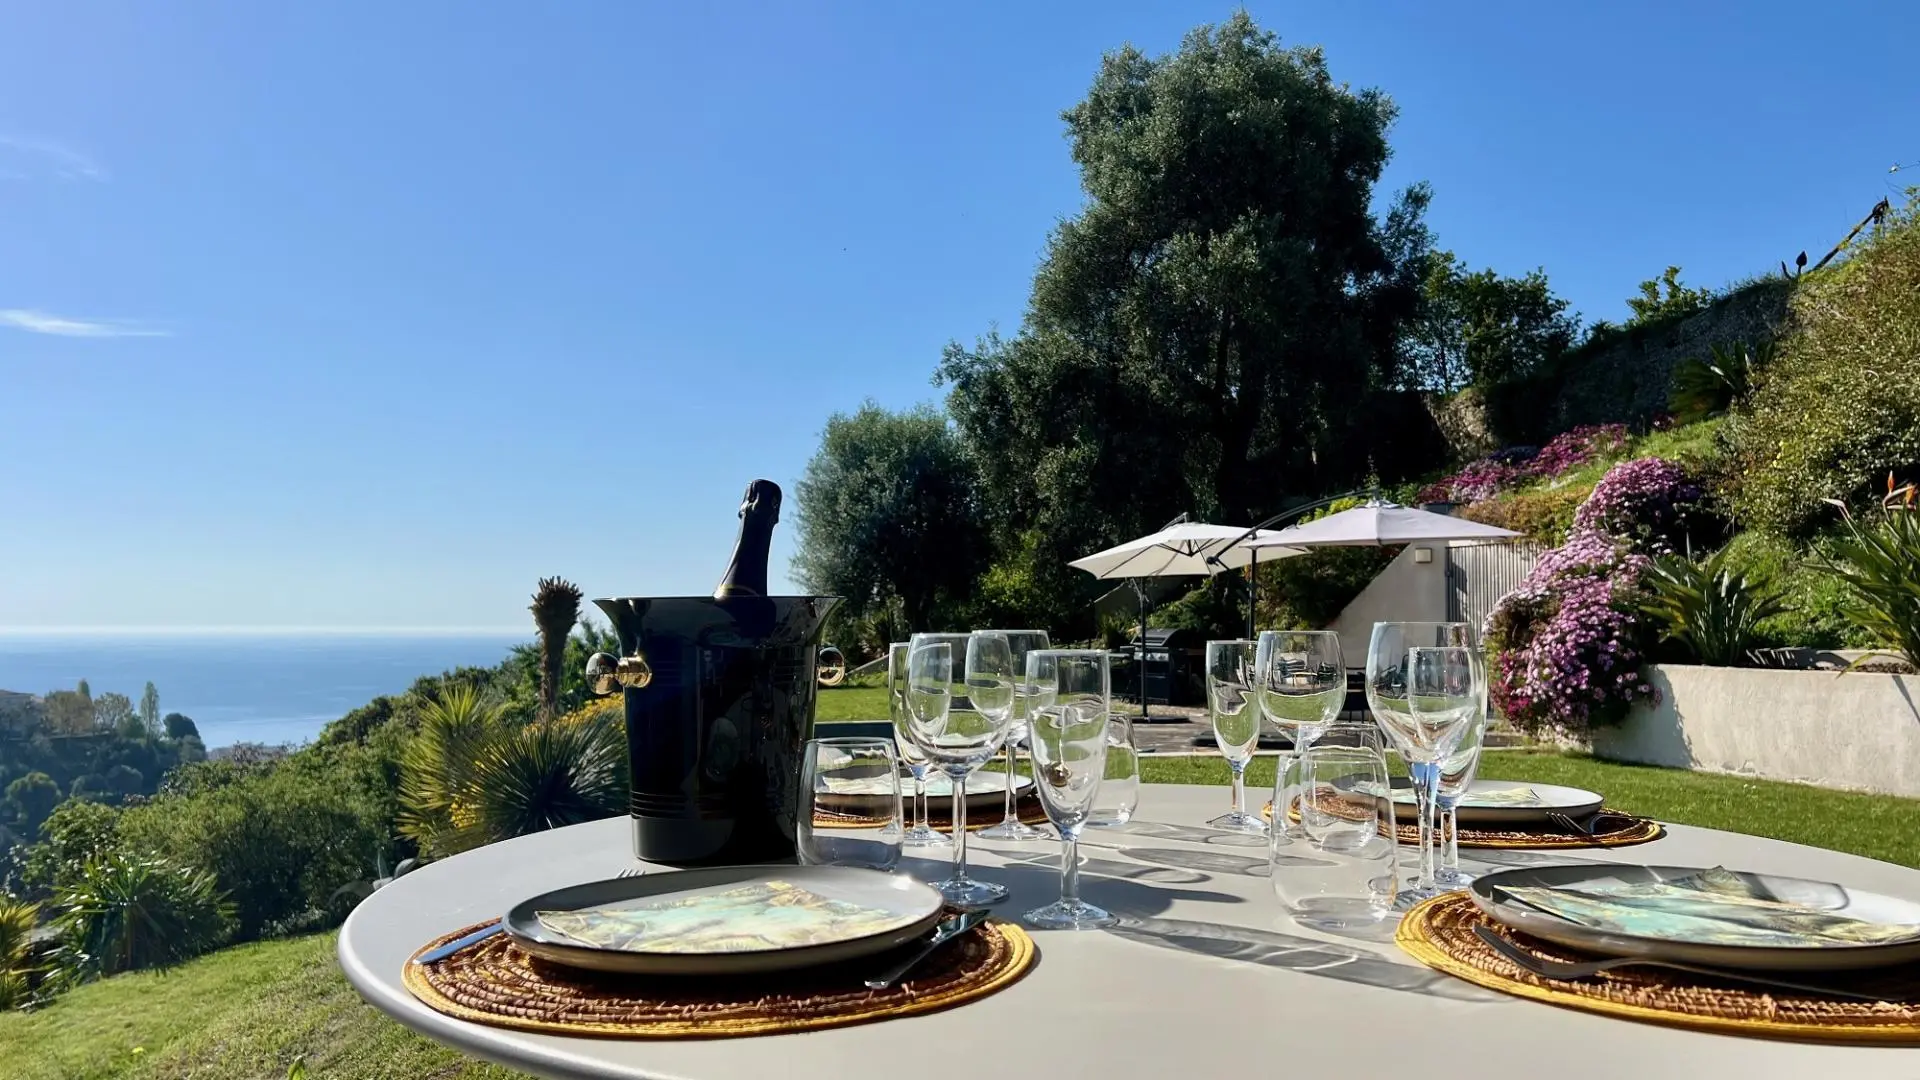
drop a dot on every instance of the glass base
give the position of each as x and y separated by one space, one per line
1453 879
1411 894
922 836
1064 915
1014 829
1237 821
968 893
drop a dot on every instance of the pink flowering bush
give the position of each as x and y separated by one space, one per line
1567 642
1572 449
1507 469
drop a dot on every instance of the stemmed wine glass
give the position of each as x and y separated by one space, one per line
1301 677
1233 706
1456 774
1069 759
961 737
1395 684
920 834
1011 827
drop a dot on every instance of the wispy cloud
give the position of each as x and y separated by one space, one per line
24 158
40 322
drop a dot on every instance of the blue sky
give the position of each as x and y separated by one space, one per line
370 314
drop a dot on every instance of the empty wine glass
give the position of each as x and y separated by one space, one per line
1340 872
1302 685
1235 712
1426 704
1455 777
961 737
920 834
849 804
1119 793
1010 826
1069 760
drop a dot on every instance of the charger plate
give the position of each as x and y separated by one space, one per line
1439 933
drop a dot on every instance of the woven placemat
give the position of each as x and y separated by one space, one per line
940 814
496 983
1618 829
1439 933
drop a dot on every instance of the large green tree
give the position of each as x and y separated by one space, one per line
1203 335
1476 328
888 515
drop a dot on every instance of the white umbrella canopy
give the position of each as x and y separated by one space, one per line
1183 549
1378 524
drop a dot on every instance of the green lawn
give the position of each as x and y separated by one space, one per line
852 703
251 1011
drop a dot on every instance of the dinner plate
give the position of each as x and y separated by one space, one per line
1491 809
725 920
1818 936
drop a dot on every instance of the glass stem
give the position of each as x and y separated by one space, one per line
1008 816
960 827
1239 787
1070 867
1426 794
1450 828
920 802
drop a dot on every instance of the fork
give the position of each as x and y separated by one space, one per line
1589 827
1563 971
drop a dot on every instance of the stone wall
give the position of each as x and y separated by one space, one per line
1859 731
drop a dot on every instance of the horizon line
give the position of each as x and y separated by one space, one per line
231 630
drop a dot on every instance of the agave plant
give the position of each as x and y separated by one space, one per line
1712 613
17 920
1880 563
124 913
556 608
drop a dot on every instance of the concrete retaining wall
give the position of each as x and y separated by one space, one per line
1859 731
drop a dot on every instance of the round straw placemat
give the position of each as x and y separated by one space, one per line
1439 933
1617 829
940 814
496 983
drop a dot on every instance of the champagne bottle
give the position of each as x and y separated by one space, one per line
747 572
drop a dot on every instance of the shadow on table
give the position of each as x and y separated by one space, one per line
1119 887
1322 959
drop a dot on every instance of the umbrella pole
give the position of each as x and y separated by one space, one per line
1253 590
1141 590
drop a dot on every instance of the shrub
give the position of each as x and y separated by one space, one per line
124 914
1309 591
1839 407
1713 614
278 841
17 920
76 832
1580 446
1544 515
1880 564
1704 387
1814 603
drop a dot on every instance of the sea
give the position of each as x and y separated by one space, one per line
277 687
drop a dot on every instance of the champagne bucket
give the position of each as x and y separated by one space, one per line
719 698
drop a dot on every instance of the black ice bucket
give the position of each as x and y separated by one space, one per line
719 700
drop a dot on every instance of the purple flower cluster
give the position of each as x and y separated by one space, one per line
1506 469
1647 502
1569 649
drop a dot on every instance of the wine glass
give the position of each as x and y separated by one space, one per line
1011 827
849 804
959 717
1456 774
920 834
1069 760
1235 711
1119 793
1421 686
1345 877
1302 683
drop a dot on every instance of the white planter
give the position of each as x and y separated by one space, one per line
1859 731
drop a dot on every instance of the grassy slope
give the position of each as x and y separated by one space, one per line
250 1011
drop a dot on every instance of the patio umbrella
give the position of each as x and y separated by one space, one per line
1378 524
1182 549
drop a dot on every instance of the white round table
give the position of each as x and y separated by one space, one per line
1205 977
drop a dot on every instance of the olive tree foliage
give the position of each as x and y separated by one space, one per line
1477 328
1201 335
889 516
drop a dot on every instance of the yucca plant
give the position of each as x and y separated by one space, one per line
17 920
1711 612
547 775
124 914
556 609
436 769
1880 563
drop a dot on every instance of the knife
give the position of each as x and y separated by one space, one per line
944 933
434 956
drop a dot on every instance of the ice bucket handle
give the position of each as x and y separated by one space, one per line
607 673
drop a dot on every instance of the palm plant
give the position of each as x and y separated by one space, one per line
1880 563
17 920
436 769
124 914
556 608
1703 388
1711 612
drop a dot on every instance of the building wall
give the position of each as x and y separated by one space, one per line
1406 591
